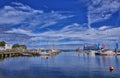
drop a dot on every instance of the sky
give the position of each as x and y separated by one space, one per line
39 22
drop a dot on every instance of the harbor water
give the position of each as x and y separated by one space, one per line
63 65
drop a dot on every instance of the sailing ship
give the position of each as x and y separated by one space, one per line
53 50
45 53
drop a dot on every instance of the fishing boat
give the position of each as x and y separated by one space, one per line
104 51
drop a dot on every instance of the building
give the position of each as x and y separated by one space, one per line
2 48
6 47
91 47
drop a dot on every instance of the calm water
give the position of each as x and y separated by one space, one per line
63 65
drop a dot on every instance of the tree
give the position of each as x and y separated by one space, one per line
2 43
19 46
15 46
23 46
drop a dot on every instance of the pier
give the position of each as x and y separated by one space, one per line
27 52
9 54
14 53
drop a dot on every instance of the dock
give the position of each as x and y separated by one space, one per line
14 53
117 53
9 54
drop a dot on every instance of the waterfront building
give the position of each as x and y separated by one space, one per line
2 48
6 47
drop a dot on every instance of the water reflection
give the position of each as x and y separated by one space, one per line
63 65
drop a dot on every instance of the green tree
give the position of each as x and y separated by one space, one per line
2 43
16 46
19 46
23 46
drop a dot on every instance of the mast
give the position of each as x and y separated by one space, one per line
103 46
116 43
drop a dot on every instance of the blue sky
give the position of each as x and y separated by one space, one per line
63 21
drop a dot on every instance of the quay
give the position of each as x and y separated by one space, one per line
117 53
9 54
14 53
27 52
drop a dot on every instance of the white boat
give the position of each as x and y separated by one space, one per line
45 53
105 52
91 52
26 54
54 51
108 52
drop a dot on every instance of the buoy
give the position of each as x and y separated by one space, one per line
111 68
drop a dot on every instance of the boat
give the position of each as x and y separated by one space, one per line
105 52
92 52
26 54
55 51
45 53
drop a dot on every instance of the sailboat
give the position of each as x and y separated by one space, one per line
45 53
104 51
54 50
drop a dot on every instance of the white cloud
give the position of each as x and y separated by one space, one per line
104 27
19 31
48 24
76 31
21 21
27 16
99 10
10 16
18 13
73 32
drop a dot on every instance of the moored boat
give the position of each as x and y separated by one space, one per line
26 54
105 52
55 51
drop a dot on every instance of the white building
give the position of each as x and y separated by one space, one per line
8 46
2 47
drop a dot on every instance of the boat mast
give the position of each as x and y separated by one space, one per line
53 46
116 42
